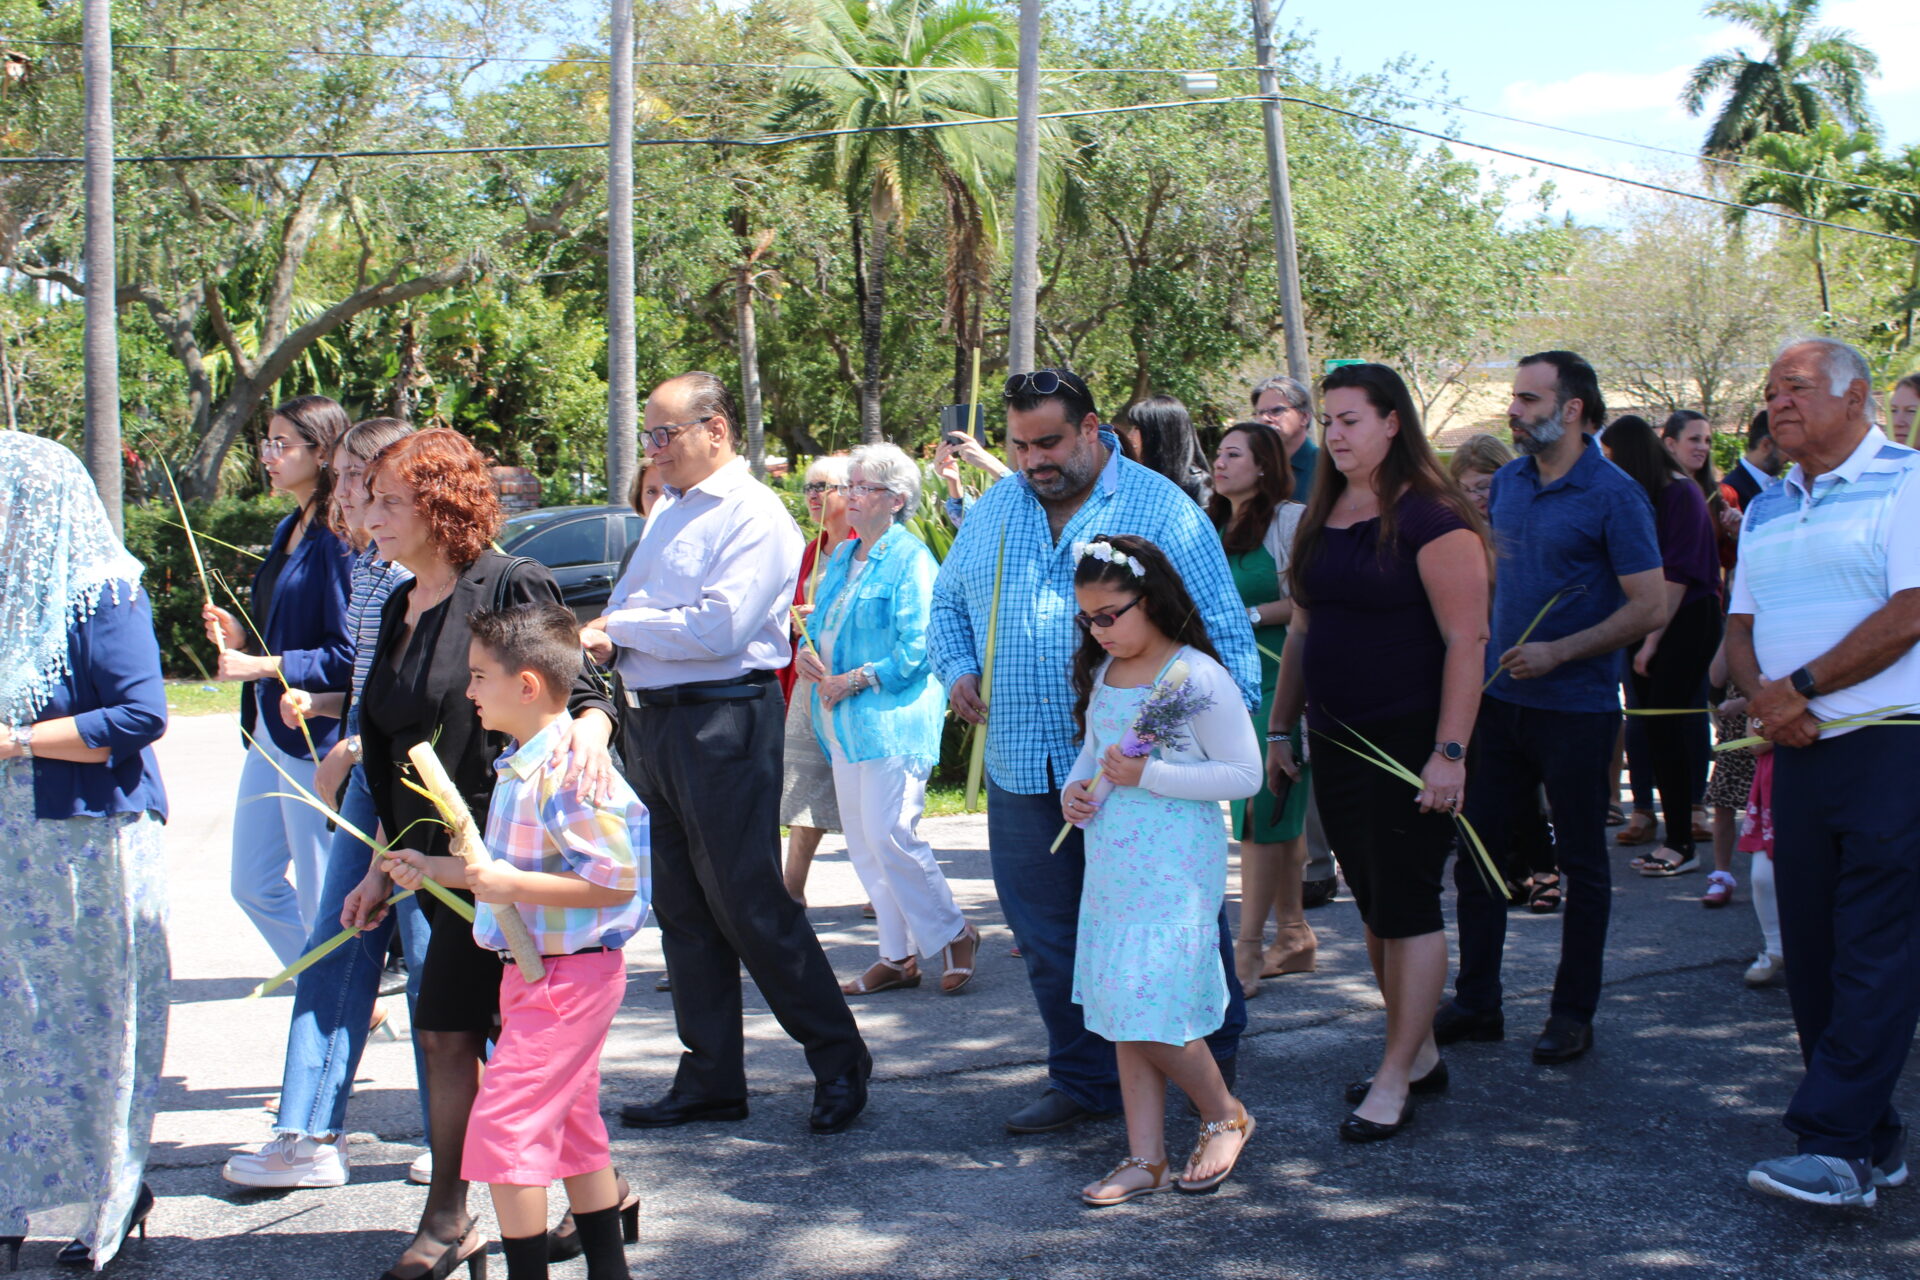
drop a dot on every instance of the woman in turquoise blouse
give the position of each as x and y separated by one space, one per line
878 712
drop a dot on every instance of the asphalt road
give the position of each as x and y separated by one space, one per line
1629 1163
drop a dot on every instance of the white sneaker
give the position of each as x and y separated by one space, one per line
291 1160
1766 970
421 1170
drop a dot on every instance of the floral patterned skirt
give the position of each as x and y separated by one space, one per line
83 1016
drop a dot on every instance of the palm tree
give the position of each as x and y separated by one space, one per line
1900 214
885 176
1810 176
1807 74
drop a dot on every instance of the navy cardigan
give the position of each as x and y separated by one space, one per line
306 625
113 691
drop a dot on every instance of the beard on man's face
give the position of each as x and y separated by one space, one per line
1539 435
1071 475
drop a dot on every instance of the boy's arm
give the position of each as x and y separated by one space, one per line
501 882
597 845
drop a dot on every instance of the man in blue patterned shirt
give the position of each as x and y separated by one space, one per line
1071 484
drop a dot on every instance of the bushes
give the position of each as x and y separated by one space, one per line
155 538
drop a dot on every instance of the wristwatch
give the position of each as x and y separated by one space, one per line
354 748
22 735
1803 683
1450 750
1253 615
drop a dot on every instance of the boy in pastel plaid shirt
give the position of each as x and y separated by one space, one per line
578 874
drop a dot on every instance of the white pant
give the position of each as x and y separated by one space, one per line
269 833
880 806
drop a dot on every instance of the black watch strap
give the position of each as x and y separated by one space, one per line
1803 683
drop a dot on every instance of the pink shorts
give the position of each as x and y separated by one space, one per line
538 1114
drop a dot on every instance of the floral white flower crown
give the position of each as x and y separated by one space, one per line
1108 553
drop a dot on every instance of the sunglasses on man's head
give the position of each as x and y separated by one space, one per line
1044 382
1088 621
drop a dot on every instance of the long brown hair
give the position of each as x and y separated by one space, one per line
1241 534
1409 467
1163 595
319 421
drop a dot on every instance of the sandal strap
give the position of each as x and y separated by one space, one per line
1722 877
1156 1171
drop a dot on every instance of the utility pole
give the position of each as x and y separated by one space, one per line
100 350
1280 195
623 396
1023 320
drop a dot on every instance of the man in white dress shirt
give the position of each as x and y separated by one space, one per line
697 626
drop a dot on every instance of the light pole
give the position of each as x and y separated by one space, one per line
1280 196
623 397
1023 320
100 352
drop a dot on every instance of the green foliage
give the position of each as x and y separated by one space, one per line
1805 74
154 537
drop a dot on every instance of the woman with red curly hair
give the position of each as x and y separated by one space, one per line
433 510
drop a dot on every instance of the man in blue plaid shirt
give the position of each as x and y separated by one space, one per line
1071 484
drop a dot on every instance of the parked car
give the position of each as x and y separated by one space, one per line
581 545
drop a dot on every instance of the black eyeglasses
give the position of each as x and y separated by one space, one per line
1088 621
1045 382
661 437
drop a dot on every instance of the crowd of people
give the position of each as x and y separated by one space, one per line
1345 640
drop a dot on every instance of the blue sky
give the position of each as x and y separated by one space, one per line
1614 69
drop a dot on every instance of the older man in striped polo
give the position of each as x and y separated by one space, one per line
1825 613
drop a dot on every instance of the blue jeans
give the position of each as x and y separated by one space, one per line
1040 893
1515 751
272 834
333 1001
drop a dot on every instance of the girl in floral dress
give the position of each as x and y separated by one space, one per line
1147 972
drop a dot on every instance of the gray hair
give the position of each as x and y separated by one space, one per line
1290 390
706 397
887 465
832 468
1843 362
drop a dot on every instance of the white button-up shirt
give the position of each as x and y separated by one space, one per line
707 593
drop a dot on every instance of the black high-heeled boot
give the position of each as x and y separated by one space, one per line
526 1256
563 1242
600 1241
76 1254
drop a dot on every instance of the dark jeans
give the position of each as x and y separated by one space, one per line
709 774
1040 894
1675 678
1516 750
1846 829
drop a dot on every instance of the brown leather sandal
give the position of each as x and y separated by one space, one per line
1158 1172
905 973
1243 1126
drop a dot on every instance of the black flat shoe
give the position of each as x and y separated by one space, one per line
1453 1024
75 1252
1051 1111
839 1101
676 1108
10 1251
1355 1129
1563 1040
1318 893
563 1242
1435 1081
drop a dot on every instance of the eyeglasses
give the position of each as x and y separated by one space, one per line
661 437
1277 411
271 448
821 486
868 490
1045 382
1088 621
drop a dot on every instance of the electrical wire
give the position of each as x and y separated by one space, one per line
787 139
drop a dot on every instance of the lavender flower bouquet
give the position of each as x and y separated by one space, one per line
1168 709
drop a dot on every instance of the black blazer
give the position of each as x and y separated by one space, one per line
1741 481
463 746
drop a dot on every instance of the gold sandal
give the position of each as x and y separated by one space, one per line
906 974
1158 1172
1214 1129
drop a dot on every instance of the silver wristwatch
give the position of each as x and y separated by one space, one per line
1253 616
22 735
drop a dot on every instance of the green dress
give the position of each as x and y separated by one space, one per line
1257 577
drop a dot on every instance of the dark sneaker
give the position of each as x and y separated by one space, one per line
1892 1171
1824 1180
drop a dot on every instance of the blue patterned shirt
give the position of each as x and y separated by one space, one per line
369 582
1030 728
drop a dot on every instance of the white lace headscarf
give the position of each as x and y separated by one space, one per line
57 552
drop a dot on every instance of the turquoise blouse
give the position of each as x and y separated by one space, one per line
883 622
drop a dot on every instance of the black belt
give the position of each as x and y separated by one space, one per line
749 686
507 956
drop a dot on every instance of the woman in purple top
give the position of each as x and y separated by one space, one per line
1669 668
1390 564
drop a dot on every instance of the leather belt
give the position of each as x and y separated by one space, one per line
747 687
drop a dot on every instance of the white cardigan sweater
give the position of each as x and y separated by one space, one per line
1217 757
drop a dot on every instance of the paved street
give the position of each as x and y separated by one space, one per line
1629 1163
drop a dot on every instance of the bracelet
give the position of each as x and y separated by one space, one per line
1277 735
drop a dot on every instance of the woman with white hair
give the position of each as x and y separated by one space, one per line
878 711
808 808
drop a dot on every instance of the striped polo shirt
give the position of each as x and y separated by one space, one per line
1816 562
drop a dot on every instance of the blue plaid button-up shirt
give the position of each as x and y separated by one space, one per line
1030 725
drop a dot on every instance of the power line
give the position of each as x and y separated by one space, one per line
562 59
787 139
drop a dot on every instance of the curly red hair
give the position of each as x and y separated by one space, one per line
453 490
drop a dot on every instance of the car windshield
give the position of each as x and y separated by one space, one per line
518 527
